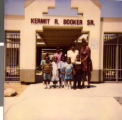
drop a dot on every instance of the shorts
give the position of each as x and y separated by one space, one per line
62 78
46 76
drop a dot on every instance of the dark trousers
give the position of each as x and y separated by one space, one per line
84 75
77 80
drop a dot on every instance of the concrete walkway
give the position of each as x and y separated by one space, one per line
37 103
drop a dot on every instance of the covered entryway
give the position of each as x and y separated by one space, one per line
58 36
112 62
52 37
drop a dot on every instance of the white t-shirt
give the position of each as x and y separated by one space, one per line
72 55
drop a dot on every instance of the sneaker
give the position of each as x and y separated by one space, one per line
74 87
82 86
88 86
62 86
46 87
54 86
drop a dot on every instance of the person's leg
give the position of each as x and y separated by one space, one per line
74 81
77 78
44 78
63 82
48 80
60 82
47 83
70 83
54 84
83 78
79 81
66 82
89 78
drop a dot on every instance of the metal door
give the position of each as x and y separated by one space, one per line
12 56
112 60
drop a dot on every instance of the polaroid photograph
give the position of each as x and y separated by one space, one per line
62 60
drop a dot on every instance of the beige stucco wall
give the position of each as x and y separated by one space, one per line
28 41
13 22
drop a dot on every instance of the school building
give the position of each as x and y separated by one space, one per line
30 35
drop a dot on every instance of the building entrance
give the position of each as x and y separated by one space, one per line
53 37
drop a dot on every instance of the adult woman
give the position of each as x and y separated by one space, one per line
85 55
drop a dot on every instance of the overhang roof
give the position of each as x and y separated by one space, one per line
60 36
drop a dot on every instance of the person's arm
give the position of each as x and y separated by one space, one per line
42 68
68 53
65 70
51 69
70 72
77 52
83 60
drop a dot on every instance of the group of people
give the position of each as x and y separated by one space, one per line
74 68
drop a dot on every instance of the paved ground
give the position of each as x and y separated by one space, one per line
37 103
17 86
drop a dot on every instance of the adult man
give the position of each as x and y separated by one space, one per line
72 53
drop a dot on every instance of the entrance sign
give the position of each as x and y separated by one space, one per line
72 22
40 21
46 21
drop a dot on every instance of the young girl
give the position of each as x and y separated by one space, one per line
62 65
55 71
68 72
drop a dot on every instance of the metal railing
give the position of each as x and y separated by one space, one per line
12 56
112 61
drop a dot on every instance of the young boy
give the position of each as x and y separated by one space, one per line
47 69
78 72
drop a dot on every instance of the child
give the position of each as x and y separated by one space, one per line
77 68
68 72
62 65
55 71
46 69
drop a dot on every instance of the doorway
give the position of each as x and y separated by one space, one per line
52 37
